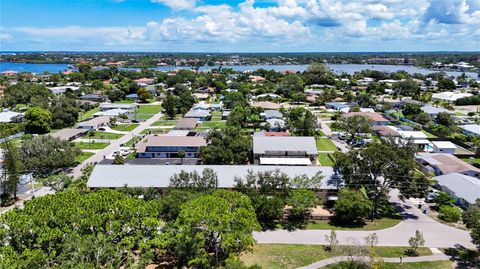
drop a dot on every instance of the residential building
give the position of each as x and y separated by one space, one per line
144 81
93 97
443 164
186 124
443 147
62 89
7 116
266 105
376 118
94 123
69 134
111 113
338 105
464 189
108 106
275 124
132 96
200 114
271 114
470 129
302 150
161 146
433 111
450 97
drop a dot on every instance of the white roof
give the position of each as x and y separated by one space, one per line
263 144
450 96
111 112
463 186
6 116
158 176
412 134
285 161
474 128
444 144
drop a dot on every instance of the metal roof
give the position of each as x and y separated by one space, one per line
473 128
463 186
158 176
262 144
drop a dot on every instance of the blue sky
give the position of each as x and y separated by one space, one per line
240 25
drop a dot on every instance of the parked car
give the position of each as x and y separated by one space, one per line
102 129
431 195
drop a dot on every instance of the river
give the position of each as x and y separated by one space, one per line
337 68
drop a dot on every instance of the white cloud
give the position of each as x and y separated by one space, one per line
177 4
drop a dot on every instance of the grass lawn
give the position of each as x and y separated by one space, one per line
95 145
82 157
410 265
102 135
88 114
325 144
382 223
145 131
324 159
429 135
287 256
125 127
320 133
474 160
216 115
131 141
124 102
149 109
165 123
213 124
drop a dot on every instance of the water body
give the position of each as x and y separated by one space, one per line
337 68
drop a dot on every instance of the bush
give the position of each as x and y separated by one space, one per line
444 199
352 207
450 213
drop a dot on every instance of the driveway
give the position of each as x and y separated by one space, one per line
435 233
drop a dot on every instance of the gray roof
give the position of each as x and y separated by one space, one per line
269 114
7 115
68 133
434 110
158 176
197 113
463 186
262 144
473 128
117 106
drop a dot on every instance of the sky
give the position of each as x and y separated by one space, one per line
240 25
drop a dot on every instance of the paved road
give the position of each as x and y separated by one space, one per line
328 133
114 145
435 233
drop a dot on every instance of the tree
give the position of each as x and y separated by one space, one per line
233 99
228 146
10 172
192 180
44 155
450 213
144 95
290 84
352 207
423 118
319 73
407 87
411 110
354 125
305 125
379 167
471 218
332 241
443 199
213 228
170 105
445 119
415 242
37 120
446 84
64 112
79 231
301 202
118 159
181 154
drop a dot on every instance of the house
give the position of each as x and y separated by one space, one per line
201 96
267 96
158 176
144 81
132 96
108 106
271 114
186 124
111 113
69 134
7 116
200 114
338 105
464 189
93 97
94 123
300 150
450 97
271 134
385 131
266 105
376 118
275 124
443 164
61 89
433 111
163 146
470 129
417 137
443 147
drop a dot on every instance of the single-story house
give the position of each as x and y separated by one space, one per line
266 95
162 146
271 134
111 113
132 96
385 131
443 164
94 123
275 125
7 116
201 96
271 114
338 105
266 105
186 124
61 89
433 111
200 114
93 97
158 176
417 137
301 148
69 134
450 97
108 106
377 119
470 129
443 147
464 189
144 81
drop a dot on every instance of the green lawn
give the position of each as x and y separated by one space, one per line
165 123
149 109
145 131
474 160
216 115
382 223
125 127
82 157
131 141
213 124
88 114
410 265
325 144
279 256
94 145
324 159
102 135
429 135
124 102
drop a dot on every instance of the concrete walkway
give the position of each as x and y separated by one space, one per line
334 260
435 233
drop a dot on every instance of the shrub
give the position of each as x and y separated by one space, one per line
450 213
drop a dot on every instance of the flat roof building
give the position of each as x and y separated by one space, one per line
163 146
300 147
69 134
94 123
186 124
